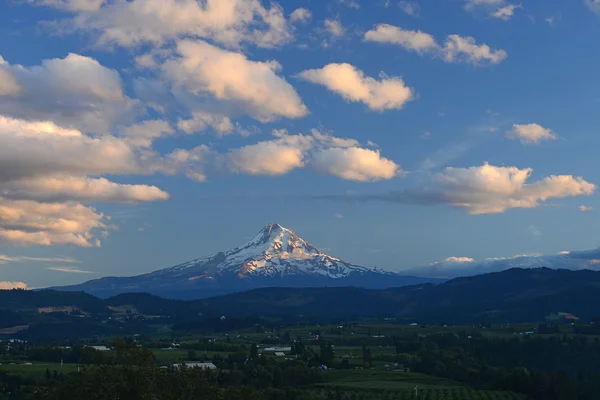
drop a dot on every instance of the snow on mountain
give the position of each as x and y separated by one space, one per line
275 251
275 257
463 266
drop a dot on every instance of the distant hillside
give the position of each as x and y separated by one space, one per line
515 295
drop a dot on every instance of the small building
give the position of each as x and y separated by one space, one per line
203 365
279 354
99 348
277 348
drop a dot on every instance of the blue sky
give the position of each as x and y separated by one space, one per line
137 135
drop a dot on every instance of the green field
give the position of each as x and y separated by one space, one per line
37 369
402 385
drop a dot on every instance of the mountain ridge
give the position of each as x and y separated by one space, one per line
515 295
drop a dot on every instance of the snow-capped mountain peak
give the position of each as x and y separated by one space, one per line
274 257
274 251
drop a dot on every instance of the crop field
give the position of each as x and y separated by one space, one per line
37 370
403 385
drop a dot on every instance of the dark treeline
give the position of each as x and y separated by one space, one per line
557 367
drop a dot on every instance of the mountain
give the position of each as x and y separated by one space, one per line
514 295
454 267
276 256
511 296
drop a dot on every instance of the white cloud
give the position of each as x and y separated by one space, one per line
334 27
70 270
506 12
593 5
530 133
229 77
46 170
495 8
75 92
456 48
8 84
489 189
459 260
464 49
354 163
72 5
70 188
338 215
326 154
409 7
301 15
484 189
266 158
229 22
7 285
144 133
352 84
30 149
417 41
201 120
534 230
4 259
29 222
585 209
351 3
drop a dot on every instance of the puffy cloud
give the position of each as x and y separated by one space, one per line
70 270
593 5
334 27
137 22
495 8
201 120
464 49
506 12
144 133
71 188
354 163
266 158
484 189
489 189
352 84
301 15
411 40
30 149
456 48
73 5
326 154
75 91
8 84
46 170
530 133
8 285
585 209
29 222
229 77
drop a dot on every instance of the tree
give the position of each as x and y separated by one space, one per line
326 354
254 352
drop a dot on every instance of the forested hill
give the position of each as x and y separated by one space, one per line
514 295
